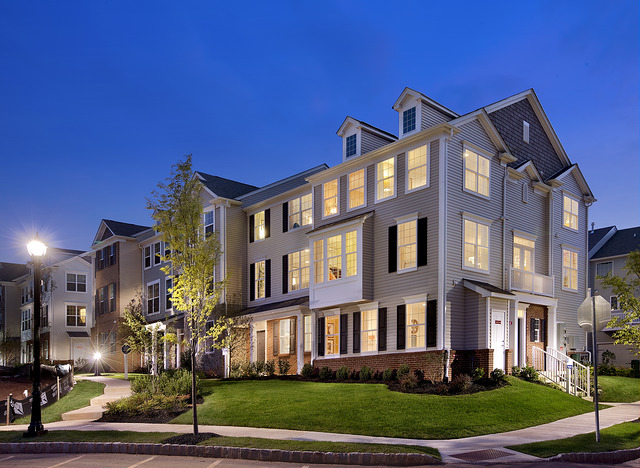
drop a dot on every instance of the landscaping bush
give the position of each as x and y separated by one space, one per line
408 381
419 375
283 366
442 389
389 375
366 373
325 373
460 384
477 374
342 374
249 370
403 370
529 374
497 375
143 403
307 371
141 384
170 382
515 371
270 367
260 367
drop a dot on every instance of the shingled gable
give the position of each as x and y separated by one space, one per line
225 188
109 228
556 181
621 242
11 271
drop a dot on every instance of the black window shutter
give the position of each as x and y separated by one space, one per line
276 340
105 304
320 336
382 329
393 249
292 336
285 216
267 278
95 266
97 305
401 327
432 323
422 242
344 330
532 330
112 305
285 274
356 332
252 281
543 330
267 223
252 225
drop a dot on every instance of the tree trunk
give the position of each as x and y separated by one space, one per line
193 388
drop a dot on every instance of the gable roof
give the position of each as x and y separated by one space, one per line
118 228
225 188
427 100
621 242
11 271
360 123
596 235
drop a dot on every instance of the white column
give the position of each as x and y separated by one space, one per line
300 341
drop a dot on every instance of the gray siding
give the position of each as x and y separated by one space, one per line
431 117
370 141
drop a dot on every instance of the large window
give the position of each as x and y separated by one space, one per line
208 223
341 257
259 280
356 189
476 245
569 269
318 261
26 320
307 334
351 247
285 336
417 168
350 145
76 282
259 227
386 179
369 333
409 120
523 250
298 265
476 173
416 325
330 198
157 253
407 245
334 257
300 212
570 212
604 268
76 316
102 301
153 298
332 335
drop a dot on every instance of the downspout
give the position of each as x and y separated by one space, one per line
551 237
442 249
505 268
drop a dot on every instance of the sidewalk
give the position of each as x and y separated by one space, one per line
113 390
471 449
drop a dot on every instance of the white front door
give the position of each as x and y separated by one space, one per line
498 338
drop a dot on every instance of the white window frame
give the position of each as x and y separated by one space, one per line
157 253
168 295
401 221
337 197
395 180
300 212
357 151
318 260
205 225
76 282
25 320
300 269
427 166
478 220
148 298
536 330
77 307
525 131
364 308
147 256
417 119
523 247
284 336
363 187
257 279
604 263
259 235
333 314
410 301
573 199
480 154
308 333
323 258
611 301
572 251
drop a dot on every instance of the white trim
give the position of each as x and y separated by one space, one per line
577 269
74 304
337 180
562 211
415 298
368 306
76 272
395 180
476 220
466 146
526 235
427 166
146 297
364 187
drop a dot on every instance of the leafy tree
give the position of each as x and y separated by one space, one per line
132 327
627 288
177 209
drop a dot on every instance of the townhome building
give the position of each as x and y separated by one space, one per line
10 311
609 249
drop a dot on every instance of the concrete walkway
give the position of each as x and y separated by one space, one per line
471 449
113 390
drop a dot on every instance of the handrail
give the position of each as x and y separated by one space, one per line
563 371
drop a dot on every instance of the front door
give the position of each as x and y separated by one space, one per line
498 338
260 346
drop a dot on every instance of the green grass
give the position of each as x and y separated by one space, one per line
247 442
113 375
619 437
619 389
79 397
372 409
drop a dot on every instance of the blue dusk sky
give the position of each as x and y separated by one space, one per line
99 98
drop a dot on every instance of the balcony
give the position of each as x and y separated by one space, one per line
530 282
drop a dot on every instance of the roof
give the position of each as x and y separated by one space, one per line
304 300
11 271
485 289
119 228
362 216
597 234
225 188
621 243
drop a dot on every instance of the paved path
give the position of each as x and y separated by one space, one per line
472 449
113 390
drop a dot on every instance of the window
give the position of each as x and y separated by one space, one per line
300 212
318 261
332 335
476 173
157 255
25 294
76 282
112 297
208 223
26 320
112 254
369 333
341 257
409 120
569 269
307 334
298 266
259 280
476 245
351 246
523 250
614 302
535 332
147 257
99 260
356 189
259 227
76 316
102 305
570 213
108 342
386 180
44 316
285 336
350 145
416 325
525 131
407 245
330 198
334 257
167 298
604 268
153 298
417 168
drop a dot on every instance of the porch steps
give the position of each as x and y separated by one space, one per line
559 369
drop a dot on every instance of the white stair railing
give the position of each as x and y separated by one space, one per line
563 371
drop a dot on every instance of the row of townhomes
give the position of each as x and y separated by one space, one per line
460 242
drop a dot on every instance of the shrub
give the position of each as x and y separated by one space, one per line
270 367
142 384
607 358
176 382
477 374
283 366
529 374
403 370
515 371
141 403
366 373
497 375
389 375
307 371
260 367
234 370
408 381
249 370
325 373
460 383
419 375
342 373
442 389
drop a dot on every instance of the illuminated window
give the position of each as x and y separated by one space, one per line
285 336
332 335
570 213
76 282
476 245
318 261
416 325
334 257
298 263
260 279
153 298
407 245
523 253
356 189
369 334
300 212
386 180
330 197
307 334
76 316
259 227
341 257
409 120
417 168
350 149
476 173
569 269
351 246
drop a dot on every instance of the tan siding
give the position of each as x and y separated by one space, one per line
130 272
236 229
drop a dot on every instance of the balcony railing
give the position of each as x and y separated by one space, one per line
530 282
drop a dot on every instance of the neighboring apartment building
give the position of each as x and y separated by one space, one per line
609 249
10 312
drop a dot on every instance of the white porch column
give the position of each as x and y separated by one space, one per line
552 327
165 355
300 341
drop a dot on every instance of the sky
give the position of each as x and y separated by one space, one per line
99 99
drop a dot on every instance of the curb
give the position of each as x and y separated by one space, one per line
210 451
619 456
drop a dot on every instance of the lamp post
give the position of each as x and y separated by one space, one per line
96 356
37 250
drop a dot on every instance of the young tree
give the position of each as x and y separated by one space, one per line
627 288
178 210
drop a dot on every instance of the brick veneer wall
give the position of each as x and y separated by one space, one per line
467 360
539 312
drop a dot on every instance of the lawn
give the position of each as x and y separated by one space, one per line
619 437
619 389
372 409
79 397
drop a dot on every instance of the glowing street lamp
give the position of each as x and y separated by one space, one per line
97 356
37 250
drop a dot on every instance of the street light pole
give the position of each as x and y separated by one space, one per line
37 250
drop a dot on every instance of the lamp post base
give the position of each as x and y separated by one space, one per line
35 431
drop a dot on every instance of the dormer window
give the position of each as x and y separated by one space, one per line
351 147
409 120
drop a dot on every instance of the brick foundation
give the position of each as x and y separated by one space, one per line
467 360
